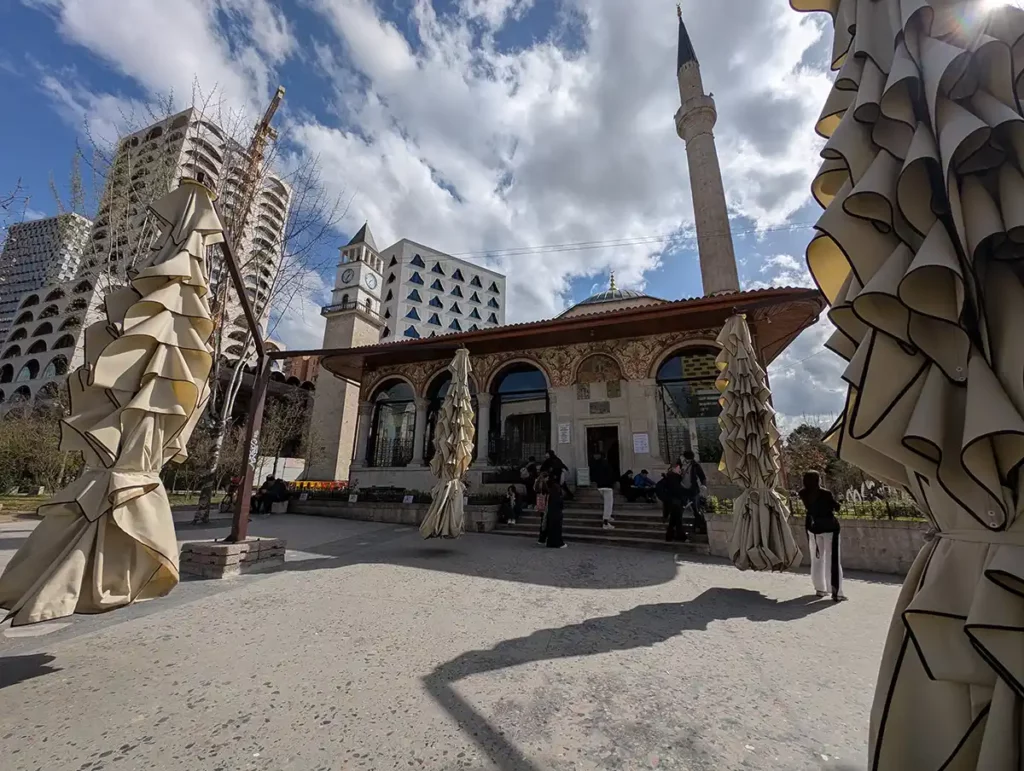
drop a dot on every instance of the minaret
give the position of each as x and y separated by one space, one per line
695 120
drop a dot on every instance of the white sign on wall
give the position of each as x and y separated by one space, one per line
641 444
407 499
564 433
353 497
583 477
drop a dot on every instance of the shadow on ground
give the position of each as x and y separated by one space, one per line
582 567
642 626
18 669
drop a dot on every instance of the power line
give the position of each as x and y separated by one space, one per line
618 242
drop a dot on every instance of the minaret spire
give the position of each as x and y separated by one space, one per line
611 283
695 121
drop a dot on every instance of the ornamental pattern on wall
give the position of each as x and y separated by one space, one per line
634 358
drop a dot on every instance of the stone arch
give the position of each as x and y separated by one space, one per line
21 394
500 369
17 334
49 391
7 373
65 341
71 322
49 311
12 352
598 367
429 381
56 294
679 347
386 382
32 299
45 328
39 346
24 318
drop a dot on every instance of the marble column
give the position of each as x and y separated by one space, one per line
363 432
483 427
419 432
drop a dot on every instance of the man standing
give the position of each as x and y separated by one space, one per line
692 478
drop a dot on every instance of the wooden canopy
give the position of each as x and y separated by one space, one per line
776 317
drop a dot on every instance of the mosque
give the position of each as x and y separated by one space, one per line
622 374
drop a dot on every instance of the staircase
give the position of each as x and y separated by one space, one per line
638 525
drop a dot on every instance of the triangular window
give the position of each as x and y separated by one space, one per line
455 308
391 278
412 314
418 261
492 303
387 314
476 282
411 332
492 319
474 298
457 292
437 285
493 287
390 297
474 314
433 334
437 268
455 325
414 295
474 328
434 320
393 263
385 333
415 279
457 275
436 303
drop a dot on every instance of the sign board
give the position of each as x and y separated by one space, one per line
407 499
303 496
564 433
641 444
353 497
583 477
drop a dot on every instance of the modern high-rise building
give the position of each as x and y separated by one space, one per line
147 165
36 254
419 291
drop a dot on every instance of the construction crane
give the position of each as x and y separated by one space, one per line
263 134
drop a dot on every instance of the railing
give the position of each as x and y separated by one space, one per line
347 305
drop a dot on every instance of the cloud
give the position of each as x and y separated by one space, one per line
299 296
450 135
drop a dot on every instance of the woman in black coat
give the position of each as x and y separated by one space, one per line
553 518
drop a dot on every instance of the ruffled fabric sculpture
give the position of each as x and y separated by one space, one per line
107 540
761 537
453 452
920 252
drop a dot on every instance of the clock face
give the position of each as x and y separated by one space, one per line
371 281
347 276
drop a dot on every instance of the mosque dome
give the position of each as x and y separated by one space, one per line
612 298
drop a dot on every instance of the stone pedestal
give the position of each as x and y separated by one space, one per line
211 559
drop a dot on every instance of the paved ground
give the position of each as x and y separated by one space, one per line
375 650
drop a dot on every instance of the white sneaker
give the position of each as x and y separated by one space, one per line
566 546
608 525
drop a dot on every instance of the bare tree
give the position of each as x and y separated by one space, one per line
283 425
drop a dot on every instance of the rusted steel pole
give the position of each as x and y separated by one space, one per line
240 522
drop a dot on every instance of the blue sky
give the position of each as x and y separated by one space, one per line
469 125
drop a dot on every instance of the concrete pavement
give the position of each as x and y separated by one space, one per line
372 649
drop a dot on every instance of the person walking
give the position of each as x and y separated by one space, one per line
672 505
823 537
553 530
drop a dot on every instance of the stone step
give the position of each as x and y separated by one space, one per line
611 538
596 527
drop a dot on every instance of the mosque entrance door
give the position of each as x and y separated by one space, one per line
603 455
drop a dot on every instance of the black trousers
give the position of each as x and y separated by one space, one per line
675 531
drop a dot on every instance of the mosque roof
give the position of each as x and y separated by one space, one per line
611 295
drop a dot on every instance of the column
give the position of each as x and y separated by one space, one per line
363 432
483 427
419 432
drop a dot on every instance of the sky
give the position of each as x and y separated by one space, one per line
482 128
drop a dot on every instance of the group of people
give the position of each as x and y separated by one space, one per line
273 490
546 493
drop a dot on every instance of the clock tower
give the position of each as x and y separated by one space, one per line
353 320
